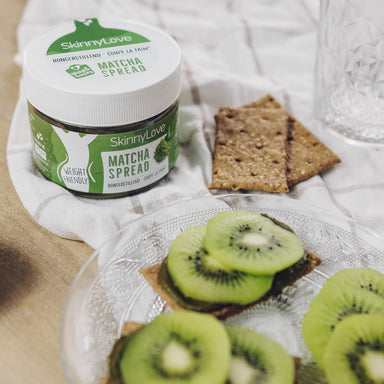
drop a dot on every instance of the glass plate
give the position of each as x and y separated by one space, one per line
109 289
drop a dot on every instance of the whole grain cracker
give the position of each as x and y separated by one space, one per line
250 150
307 155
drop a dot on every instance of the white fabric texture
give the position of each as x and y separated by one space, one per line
233 52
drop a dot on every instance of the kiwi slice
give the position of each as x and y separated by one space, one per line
201 277
332 305
281 280
167 284
251 242
364 278
178 347
257 359
355 353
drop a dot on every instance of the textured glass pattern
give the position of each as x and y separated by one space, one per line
349 82
110 290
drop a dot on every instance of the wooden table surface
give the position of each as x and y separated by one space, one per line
36 267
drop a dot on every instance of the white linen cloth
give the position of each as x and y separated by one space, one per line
233 52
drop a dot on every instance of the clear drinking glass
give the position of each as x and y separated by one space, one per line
349 76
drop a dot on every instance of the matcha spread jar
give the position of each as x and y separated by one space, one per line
102 102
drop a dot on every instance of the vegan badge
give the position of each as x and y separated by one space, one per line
78 71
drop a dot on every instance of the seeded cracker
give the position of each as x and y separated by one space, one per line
250 150
307 155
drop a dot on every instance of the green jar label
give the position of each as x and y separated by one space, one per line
104 163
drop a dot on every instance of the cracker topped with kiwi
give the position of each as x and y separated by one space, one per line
194 348
234 261
239 258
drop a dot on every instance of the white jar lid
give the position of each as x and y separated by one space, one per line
96 72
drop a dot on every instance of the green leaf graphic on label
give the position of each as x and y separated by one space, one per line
89 34
162 150
80 70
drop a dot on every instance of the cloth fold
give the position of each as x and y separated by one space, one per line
233 53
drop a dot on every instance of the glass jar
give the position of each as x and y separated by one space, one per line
102 101
349 76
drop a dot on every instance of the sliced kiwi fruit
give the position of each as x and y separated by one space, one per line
201 277
178 347
332 305
251 242
364 278
188 303
255 358
355 353
281 280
